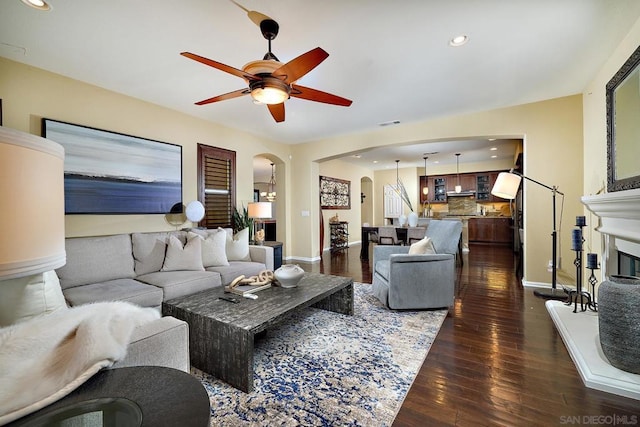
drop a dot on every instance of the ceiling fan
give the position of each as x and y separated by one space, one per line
269 81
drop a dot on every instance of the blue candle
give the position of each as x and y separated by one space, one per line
581 221
576 239
592 261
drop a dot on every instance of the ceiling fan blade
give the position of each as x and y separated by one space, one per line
277 111
220 66
256 17
318 96
230 95
298 67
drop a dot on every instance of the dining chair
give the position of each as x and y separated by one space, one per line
388 236
415 234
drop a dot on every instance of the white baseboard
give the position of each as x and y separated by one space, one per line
528 284
303 259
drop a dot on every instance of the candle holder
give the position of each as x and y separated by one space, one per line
593 305
578 294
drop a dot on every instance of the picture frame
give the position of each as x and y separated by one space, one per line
335 193
110 173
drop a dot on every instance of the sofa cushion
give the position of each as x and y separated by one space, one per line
187 257
237 246
115 290
149 250
237 268
213 247
31 296
421 247
96 259
178 283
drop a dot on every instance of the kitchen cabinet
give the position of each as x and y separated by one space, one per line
439 185
497 230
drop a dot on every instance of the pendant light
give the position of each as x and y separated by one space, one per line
425 189
458 187
271 194
397 178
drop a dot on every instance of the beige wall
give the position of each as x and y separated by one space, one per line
30 94
552 134
595 131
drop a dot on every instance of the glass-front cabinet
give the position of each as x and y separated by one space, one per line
440 189
483 188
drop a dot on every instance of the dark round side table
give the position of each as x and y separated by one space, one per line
135 396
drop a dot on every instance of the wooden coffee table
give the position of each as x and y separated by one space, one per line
221 333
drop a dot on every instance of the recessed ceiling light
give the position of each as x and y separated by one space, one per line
459 40
375 161
493 148
494 157
357 156
37 4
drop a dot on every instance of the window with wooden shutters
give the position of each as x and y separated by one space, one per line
216 185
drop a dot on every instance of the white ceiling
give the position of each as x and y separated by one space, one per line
391 58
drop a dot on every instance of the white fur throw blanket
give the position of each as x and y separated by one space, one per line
45 358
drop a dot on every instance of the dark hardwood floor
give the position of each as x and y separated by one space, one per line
497 360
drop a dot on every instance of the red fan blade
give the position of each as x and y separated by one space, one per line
277 111
229 95
318 96
298 67
220 66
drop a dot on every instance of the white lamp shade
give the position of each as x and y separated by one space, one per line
506 185
259 210
195 211
458 188
32 198
425 190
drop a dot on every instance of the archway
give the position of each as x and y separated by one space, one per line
268 186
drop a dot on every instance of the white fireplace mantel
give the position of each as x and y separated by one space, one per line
619 214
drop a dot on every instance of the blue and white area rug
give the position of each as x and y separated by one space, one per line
327 369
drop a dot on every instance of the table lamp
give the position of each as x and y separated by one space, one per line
259 211
195 212
31 223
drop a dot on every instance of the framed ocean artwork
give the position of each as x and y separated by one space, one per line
112 173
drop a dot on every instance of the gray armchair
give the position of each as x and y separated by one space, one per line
403 281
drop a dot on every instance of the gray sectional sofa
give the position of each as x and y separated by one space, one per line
129 267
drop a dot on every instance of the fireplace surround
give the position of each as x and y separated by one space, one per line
618 218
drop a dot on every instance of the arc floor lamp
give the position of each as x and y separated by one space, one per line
506 187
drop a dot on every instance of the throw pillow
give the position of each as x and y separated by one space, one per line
188 257
237 246
213 248
424 246
27 297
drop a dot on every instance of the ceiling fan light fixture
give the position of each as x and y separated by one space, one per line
269 91
37 4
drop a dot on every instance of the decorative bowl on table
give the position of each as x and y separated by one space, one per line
289 275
